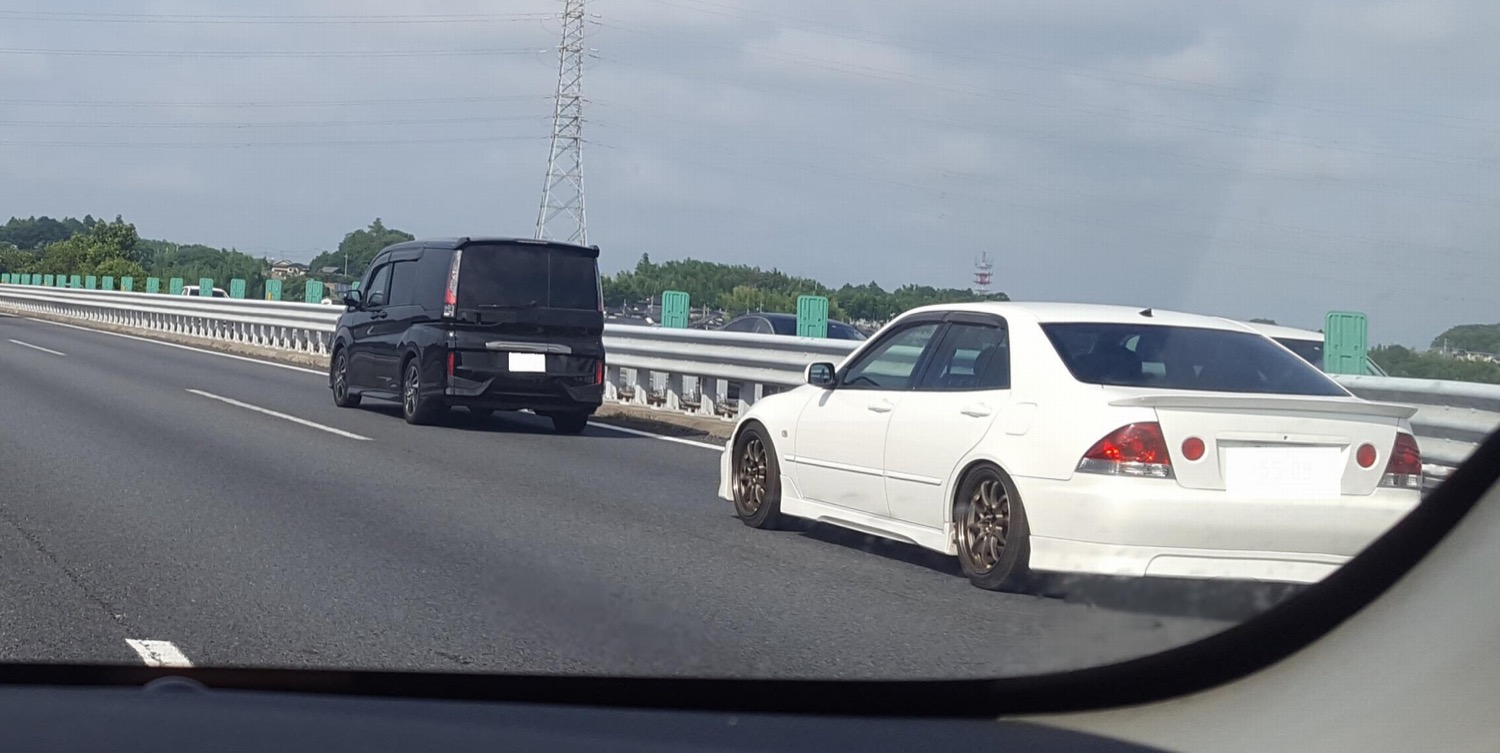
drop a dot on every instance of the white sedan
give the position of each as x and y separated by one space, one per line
1084 439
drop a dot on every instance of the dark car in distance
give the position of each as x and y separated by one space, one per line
486 323
786 324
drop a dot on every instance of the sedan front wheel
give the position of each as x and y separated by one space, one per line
756 479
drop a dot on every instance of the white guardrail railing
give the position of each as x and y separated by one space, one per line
693 371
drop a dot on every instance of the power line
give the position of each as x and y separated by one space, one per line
260 144
186 18
270 53
268 103
1106 75
273 124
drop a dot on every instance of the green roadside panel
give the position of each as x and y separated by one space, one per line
75 282
1345 342
314 292
674 309
109 282
127 284
812 316
236 288
273 290
49 280
153 284
175 286
91 282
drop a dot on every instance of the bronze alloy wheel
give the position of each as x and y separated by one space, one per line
751 477
983 533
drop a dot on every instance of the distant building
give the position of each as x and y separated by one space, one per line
283 269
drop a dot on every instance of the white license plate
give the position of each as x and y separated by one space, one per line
528 363
1283 472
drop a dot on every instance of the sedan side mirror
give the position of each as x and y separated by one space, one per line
819 375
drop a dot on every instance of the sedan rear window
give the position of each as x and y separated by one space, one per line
527 277
1183 358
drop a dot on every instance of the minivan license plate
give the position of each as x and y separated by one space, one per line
528 363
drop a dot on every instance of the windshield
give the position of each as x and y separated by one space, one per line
1039 434
527 277
1183 358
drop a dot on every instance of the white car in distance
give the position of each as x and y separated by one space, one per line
1073 438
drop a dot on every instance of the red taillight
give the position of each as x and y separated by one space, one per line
1133 450
450 297
599 372
1193 448
452 361
1404 470
1366 455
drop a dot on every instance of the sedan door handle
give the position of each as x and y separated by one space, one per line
884 406
976 411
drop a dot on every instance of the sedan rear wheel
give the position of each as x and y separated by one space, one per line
994 542
756 480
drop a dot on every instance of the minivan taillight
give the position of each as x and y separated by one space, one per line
599 372
1404 471
1131 450
450 297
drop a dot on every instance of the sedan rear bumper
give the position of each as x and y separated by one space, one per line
1109 525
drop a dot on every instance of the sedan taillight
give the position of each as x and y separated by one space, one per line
1404 471
1132 450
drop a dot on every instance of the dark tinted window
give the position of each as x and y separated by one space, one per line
375 291
970 357
742 324
527 277
1310 350
842 331
783 325
1183 358
403 283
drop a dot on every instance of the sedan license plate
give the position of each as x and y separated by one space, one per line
1283 472
528 363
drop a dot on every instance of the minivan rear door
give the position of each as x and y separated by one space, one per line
528 309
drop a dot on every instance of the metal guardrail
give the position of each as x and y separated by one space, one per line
707 373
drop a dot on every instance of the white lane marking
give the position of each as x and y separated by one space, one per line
38 347
277 414
221 354
159 653
289 367
662 437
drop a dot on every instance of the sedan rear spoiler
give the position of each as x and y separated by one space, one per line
1287 403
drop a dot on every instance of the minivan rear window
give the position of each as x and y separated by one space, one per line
1183 358
527 277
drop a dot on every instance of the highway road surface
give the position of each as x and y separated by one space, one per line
171 505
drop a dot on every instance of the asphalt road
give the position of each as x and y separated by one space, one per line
137 502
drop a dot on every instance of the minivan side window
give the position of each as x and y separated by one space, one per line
376 293
403 284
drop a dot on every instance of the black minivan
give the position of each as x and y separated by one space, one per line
486 323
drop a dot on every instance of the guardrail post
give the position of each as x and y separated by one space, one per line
711 394
672 392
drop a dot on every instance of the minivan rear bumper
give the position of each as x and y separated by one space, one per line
538 392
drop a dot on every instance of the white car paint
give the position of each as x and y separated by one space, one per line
1279 332
890 462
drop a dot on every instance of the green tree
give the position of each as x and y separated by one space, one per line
1479 338
360 247
1400 361
35 233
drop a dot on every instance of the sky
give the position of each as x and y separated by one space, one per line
1246 159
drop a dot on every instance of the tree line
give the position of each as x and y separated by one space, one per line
739 288
69 246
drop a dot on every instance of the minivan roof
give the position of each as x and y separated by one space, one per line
454 243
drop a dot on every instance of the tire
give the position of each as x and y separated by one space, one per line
756 480
415 408
994 541
569 423
338 378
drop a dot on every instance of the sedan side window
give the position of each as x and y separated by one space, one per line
971 357
376 290
890 364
